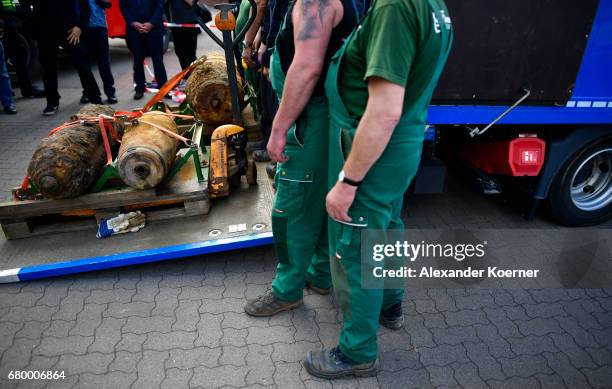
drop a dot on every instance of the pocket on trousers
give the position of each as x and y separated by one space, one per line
348 237
290 191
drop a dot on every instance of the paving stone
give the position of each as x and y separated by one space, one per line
442 355
602 337
466 374
17 356
131 342
516 313
199 356
187 316
22 299
287 375
166 302
222 306
88 320
202 292
434 320
215 377
235 285
32 329
293 352
151 370
111 380
394 340
577 355
328 334
601 356
312 384
581 336
561 365
442 376
40 313
75 344
143 325
128 278
125 361
70 306
599 377
232 355
549 295
270 335
177 378
325 315
7 334
538 327
505 326
488 367
317 301
54 293
234 337
532 345
59 328
147 288
544 310
176 339
110 296
182 279
242 321
521 296
475 302
305 325
454 335
498 346
425 306
503 299
524 366
420 336
94 363
260 366
551 381
578 311
398 360
209 330
465 318
404 379
120 310
514 382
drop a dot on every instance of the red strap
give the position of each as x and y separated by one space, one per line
109 155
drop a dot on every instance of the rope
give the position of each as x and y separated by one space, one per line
168 132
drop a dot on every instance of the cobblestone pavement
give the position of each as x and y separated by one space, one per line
180 324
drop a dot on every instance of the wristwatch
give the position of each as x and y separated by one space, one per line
348 181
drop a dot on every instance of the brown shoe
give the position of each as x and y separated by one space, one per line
318 290
269 305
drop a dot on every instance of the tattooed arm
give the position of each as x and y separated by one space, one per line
313 22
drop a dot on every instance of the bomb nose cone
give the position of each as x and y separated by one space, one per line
49 185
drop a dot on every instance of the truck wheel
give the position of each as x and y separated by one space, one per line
581 194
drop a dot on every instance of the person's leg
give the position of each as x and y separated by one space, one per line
17 53
393 296
47 56
135 44
155 41
80 60
185 43
97 43
6 92
298 215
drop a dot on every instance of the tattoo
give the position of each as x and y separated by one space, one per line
311 11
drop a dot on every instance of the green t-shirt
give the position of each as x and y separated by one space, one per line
243 15
399 41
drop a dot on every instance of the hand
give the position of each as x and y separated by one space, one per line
74 35
146 27
137 26
339 201
260 52
276 146
247 55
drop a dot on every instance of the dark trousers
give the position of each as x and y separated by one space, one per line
48 43
16 51
143 45
269 106
96 41
185 44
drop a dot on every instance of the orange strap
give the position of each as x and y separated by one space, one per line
168 86
109 154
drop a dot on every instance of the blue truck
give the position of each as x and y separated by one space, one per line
525 100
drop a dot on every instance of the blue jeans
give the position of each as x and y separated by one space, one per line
6 92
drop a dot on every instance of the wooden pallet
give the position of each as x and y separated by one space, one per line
183 196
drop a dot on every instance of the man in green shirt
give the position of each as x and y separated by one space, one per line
379 87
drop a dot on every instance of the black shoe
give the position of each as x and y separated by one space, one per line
392 318
97 100
317 289
10 109
84 99
112 100
138 95
33 91
269 305
271 169
261 156
330 364
51 110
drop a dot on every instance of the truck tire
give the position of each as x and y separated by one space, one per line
581 193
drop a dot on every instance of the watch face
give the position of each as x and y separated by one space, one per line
341 175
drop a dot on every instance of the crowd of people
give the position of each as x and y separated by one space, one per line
80 28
